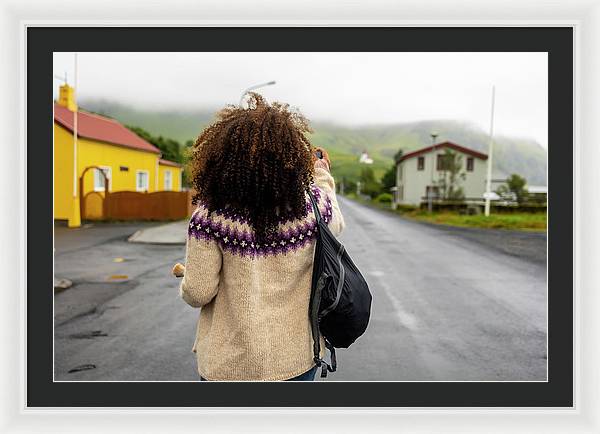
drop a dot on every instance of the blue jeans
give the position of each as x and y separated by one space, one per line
307 376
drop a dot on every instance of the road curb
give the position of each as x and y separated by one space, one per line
170 234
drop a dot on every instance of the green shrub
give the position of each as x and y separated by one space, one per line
383 198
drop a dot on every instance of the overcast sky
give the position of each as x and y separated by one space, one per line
347 88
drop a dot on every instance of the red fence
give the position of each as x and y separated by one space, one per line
131 205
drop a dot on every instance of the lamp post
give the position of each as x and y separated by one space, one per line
434 136
269 83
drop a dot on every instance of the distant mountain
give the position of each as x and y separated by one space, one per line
511 155
180 125
345 144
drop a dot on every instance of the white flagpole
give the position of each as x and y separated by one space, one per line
488 189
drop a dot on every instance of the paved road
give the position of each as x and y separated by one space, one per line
132 328
445 307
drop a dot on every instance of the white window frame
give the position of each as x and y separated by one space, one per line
108 171
137 187
170 173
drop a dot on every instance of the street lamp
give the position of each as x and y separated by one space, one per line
270 83
434 136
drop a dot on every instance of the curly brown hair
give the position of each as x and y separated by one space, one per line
256 161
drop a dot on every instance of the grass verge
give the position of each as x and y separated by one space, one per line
512 221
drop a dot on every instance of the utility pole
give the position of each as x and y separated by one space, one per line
75 220
434 136
75 131
488 189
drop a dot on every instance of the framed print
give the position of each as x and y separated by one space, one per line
493 343
449 153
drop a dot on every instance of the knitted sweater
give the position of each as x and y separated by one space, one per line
254 322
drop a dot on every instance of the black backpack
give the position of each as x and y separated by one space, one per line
340 301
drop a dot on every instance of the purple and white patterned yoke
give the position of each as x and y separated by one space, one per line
238 241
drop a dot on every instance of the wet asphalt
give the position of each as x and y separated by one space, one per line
448 304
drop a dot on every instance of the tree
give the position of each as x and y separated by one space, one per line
514 189
398 155
170 149
368 184
388 180
451 175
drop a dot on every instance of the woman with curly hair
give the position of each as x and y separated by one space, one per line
251 243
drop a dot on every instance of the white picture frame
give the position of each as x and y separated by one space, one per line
583 16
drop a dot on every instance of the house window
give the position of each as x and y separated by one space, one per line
444 161
168 181
99 179
470 164
421 163
141 180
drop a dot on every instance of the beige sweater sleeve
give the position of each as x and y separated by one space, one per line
325 182
203 260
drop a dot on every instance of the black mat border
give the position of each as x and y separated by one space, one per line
43 392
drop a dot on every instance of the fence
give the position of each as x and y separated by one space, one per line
131 205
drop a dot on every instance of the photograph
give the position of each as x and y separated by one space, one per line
326 216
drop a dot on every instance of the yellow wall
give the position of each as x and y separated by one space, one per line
101 154
175 177
63 173
92 153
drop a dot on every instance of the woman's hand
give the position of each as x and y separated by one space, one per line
324 162
178 270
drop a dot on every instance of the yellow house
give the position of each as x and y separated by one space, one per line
103 145
170 175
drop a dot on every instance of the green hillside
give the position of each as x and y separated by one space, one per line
178 125
511 155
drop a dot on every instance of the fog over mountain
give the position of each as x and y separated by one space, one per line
523 156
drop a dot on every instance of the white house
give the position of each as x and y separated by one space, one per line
365 159
416 173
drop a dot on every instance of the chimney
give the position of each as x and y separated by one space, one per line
66 97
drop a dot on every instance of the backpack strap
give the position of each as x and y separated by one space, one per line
315 303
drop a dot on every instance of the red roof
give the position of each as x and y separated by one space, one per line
96 127
168 163
444 145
